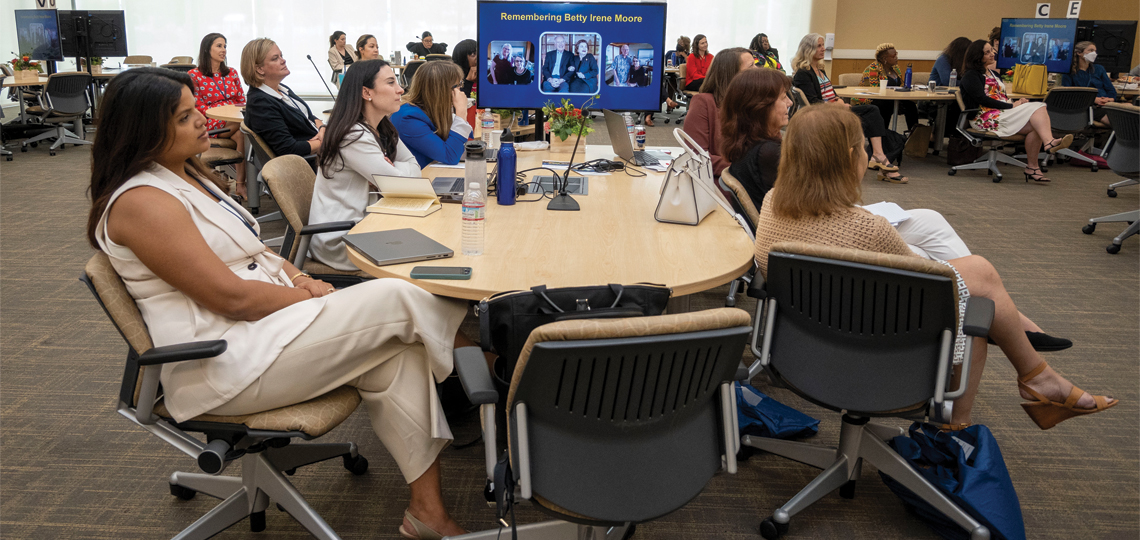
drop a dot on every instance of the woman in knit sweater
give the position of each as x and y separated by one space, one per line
814 200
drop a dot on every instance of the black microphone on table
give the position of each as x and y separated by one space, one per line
315 68
563 201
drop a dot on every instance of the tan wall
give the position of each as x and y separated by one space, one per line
929 25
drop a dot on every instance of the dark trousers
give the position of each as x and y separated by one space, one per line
695 86
873 125
907 109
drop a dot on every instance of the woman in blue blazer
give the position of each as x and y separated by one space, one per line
584 68
1089 75
431 121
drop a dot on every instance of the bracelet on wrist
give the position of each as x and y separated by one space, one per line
293 279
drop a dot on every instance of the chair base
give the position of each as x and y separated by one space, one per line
550 530
262 479
61 135
990 161
859 441
1132 218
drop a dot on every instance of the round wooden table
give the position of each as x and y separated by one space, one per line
613 239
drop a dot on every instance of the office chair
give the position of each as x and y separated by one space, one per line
799 100
184 68
435 57
1124 159
987 139
261 441
865 334
64 100
688 94
410 71
1070 111
219 156
291 180
742 203
919 78
612 422
182 60
3 147
849 79
138 59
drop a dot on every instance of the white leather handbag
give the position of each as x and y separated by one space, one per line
689 193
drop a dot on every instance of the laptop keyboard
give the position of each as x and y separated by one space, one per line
644 158
447 185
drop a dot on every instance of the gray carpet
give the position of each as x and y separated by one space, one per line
72 468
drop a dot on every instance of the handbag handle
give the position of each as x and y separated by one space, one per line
540 291
688 144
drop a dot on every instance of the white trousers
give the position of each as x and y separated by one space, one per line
386 338
930 236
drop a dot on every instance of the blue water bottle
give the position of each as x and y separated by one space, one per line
906 78
505 192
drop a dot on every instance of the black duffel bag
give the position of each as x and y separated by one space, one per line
507 319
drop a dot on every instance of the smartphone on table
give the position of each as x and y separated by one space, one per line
441 272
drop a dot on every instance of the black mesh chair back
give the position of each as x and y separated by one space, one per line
626 429
410 70
1069 107
1124 155
66 93
856 337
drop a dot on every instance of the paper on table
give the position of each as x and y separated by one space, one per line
442 166
893 212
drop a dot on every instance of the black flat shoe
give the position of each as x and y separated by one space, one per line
1043 342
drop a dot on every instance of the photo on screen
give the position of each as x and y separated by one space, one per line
1059 49
629 65
569 63
37 34
1010 47
1033 47
510 63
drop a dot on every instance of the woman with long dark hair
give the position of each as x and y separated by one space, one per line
340 55
466 56
367 48
432 122
815 201
194 265
697 64
703 122
360 141
949 60
216 85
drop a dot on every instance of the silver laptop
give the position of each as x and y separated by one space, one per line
623 147
397 246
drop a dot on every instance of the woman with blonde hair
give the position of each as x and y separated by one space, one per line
272 110
814 201
811 79
431 121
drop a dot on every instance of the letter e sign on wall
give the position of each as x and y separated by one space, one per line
1074 11
1042 11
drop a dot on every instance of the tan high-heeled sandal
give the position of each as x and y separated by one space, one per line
1047 413
1063 143
422 532
876 165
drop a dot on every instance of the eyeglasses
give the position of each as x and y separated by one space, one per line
456 87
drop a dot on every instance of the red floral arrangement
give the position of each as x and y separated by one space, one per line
24 62
567 120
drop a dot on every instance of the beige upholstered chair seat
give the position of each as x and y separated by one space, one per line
1011 138
223 143
742 196
314 267
314 417
849 79
215 154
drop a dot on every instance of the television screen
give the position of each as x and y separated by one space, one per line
1114 41
532 53
108 34
37 34
1037 41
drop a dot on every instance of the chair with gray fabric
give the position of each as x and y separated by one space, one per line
261 441
1070 111
292 179
1123 158
613 422
988 139
64 100
868 335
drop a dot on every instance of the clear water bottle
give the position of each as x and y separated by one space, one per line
474 219
488 127
475 166
953 78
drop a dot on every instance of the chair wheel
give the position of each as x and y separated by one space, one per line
771 530
1111 192
35 144
989 173
290 472
1095 168
1113 249
629 532
847 491
951 172
1089 229
257 521
183 493
281 508
997 178
51 152
356 465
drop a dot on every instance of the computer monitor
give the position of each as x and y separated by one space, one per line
1114 41
103 32
531 53
37 34
1037 41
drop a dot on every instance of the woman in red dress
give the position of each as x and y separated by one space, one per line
219 85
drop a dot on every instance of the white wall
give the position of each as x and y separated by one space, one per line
167 28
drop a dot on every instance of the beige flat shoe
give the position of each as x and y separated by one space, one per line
422 532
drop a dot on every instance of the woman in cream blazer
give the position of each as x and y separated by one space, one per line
194 264
339 54
360 141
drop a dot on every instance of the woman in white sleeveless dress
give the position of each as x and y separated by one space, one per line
194 264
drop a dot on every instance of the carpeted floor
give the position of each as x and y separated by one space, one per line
72 468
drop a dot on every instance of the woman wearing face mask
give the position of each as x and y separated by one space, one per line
1087 74
983 90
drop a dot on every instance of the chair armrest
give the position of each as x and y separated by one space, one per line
217 131
742 373
332 226
756 287
196 350
979 317
471 366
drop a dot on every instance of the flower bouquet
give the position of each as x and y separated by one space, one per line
564 121
25 67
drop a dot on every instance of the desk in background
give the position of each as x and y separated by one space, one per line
613 239
235 113
893 95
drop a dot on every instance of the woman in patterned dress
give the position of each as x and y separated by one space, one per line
219 85
983 90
